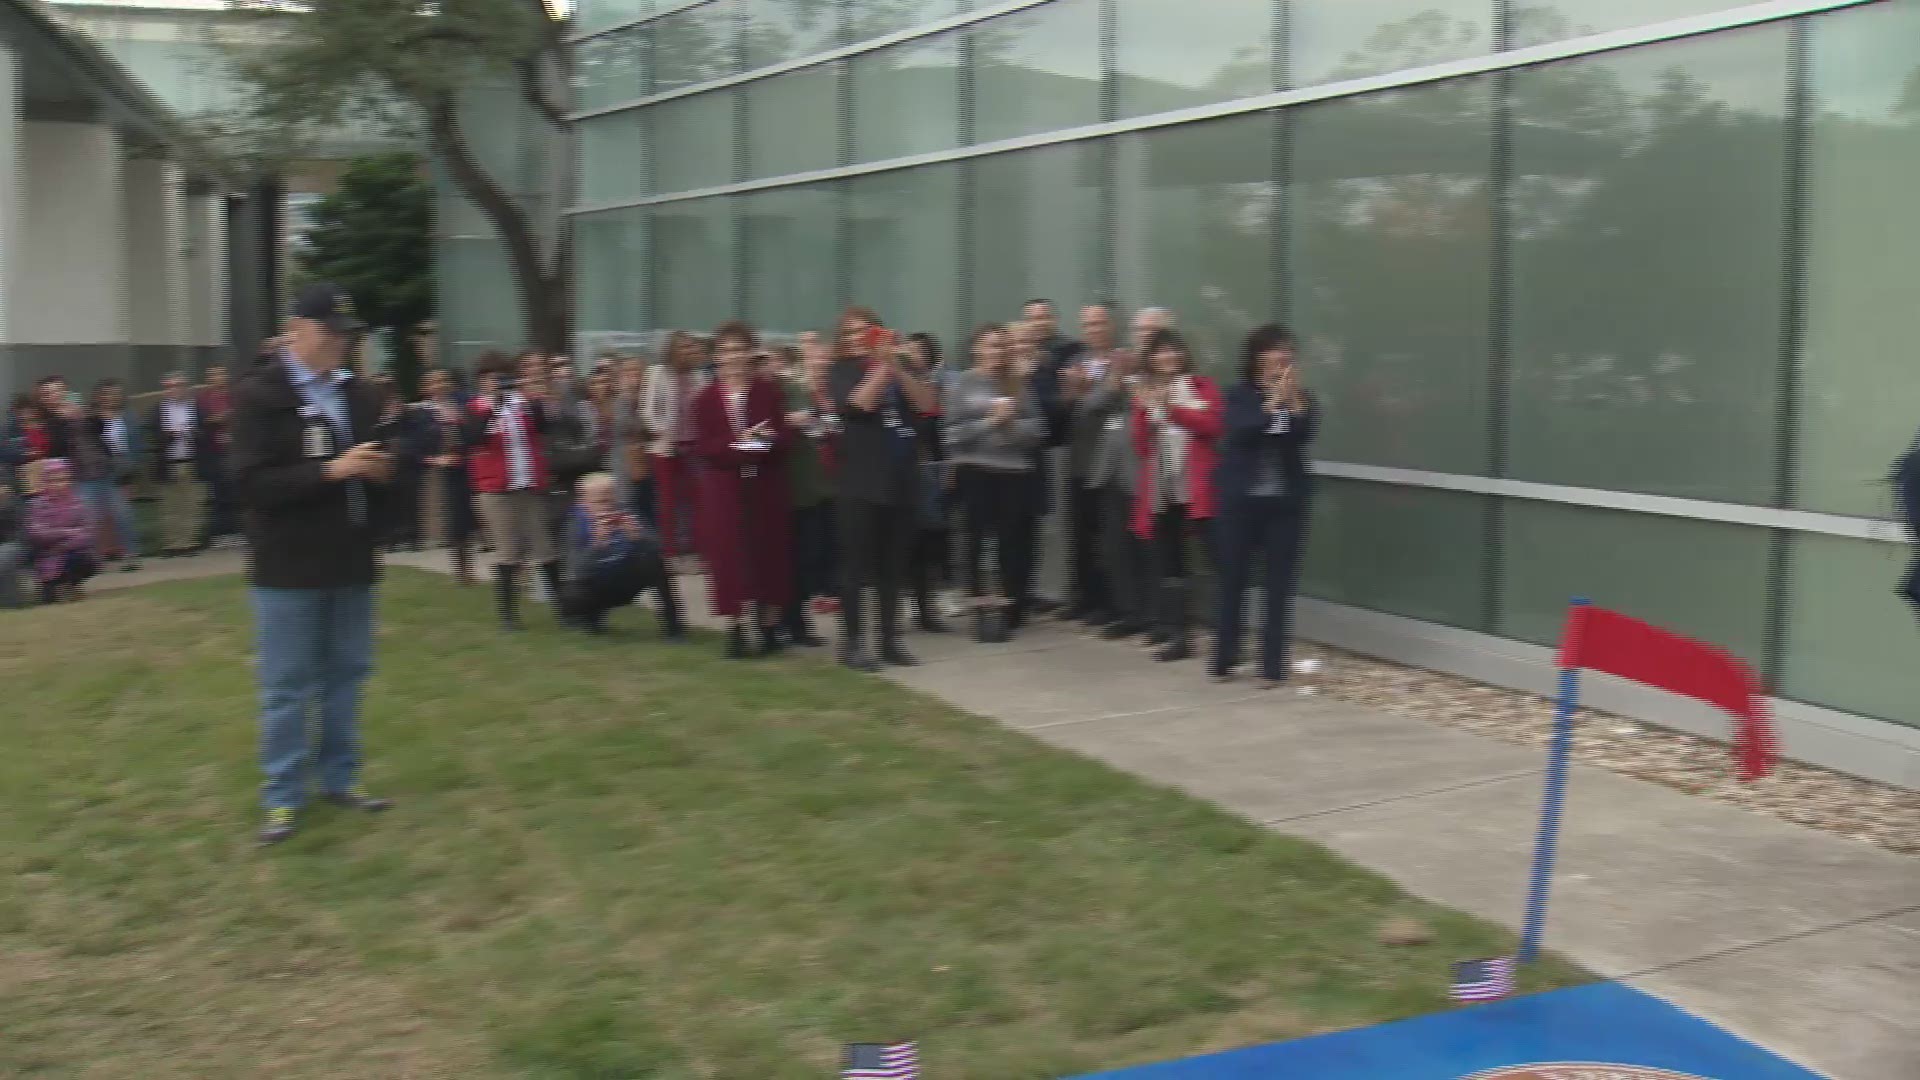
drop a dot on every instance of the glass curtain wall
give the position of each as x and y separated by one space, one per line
1658 279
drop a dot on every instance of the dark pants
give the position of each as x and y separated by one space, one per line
1910 586
75 569
1038 486
873 551
1091 592
645 491
1272 531
589 597
1174 535
223 515
997 513
403 527
1129 568
812 539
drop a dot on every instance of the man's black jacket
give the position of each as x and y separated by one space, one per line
299 525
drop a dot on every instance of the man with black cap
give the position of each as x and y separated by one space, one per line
308 467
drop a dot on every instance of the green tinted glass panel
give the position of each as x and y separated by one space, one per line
875 18
695 45
1035 220
594 14
613 156
1647 267
1037 71
1333 40
611 265
905 242
793 122
1705 579
1173 54
1406 551
1389 272
1851 642
479 308
1198 200
693 264
790 239
1861 380
692 141
1536 22
782 30
610 69
906 99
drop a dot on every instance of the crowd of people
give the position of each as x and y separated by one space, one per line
70 470
863 475
859 474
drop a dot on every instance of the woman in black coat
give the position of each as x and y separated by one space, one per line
1263 487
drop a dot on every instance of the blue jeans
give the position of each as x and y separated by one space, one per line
109 503
314 651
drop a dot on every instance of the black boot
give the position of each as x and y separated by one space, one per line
853 651
800 628
672 625
550 574
506 597
1179 617
736 642
928 620
770 643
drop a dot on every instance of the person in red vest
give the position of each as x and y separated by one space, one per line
508 466
741 439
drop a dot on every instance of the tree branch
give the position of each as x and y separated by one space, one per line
509 220
528 68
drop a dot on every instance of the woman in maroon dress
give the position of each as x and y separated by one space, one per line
740 438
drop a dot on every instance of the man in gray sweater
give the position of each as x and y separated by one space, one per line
1107 468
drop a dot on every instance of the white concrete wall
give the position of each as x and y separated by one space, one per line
197 247
152 253
11 177
69 269
215 323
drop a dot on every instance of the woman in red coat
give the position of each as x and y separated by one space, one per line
1176 422
740 438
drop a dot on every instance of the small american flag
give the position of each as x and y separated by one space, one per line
882 1061
1482 980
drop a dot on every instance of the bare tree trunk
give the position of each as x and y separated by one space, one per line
541 287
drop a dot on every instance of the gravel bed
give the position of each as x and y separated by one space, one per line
1803 794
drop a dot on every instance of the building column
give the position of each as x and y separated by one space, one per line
151 254
68 311
12 176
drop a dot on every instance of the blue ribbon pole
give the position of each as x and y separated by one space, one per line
1552 802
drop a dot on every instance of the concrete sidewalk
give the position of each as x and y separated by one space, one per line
1801 941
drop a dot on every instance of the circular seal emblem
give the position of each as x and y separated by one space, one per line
1580 1070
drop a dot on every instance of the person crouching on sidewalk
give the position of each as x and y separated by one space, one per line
60 532
611 560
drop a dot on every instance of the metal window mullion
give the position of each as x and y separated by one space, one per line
1793 334
842 201
966 182
1500 183
1280 214
1281 47
1106 154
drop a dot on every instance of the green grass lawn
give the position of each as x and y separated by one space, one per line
619 858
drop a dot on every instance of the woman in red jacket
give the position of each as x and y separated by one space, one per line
1176 422
508 468
740 437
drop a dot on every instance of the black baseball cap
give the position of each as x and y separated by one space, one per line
329 305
